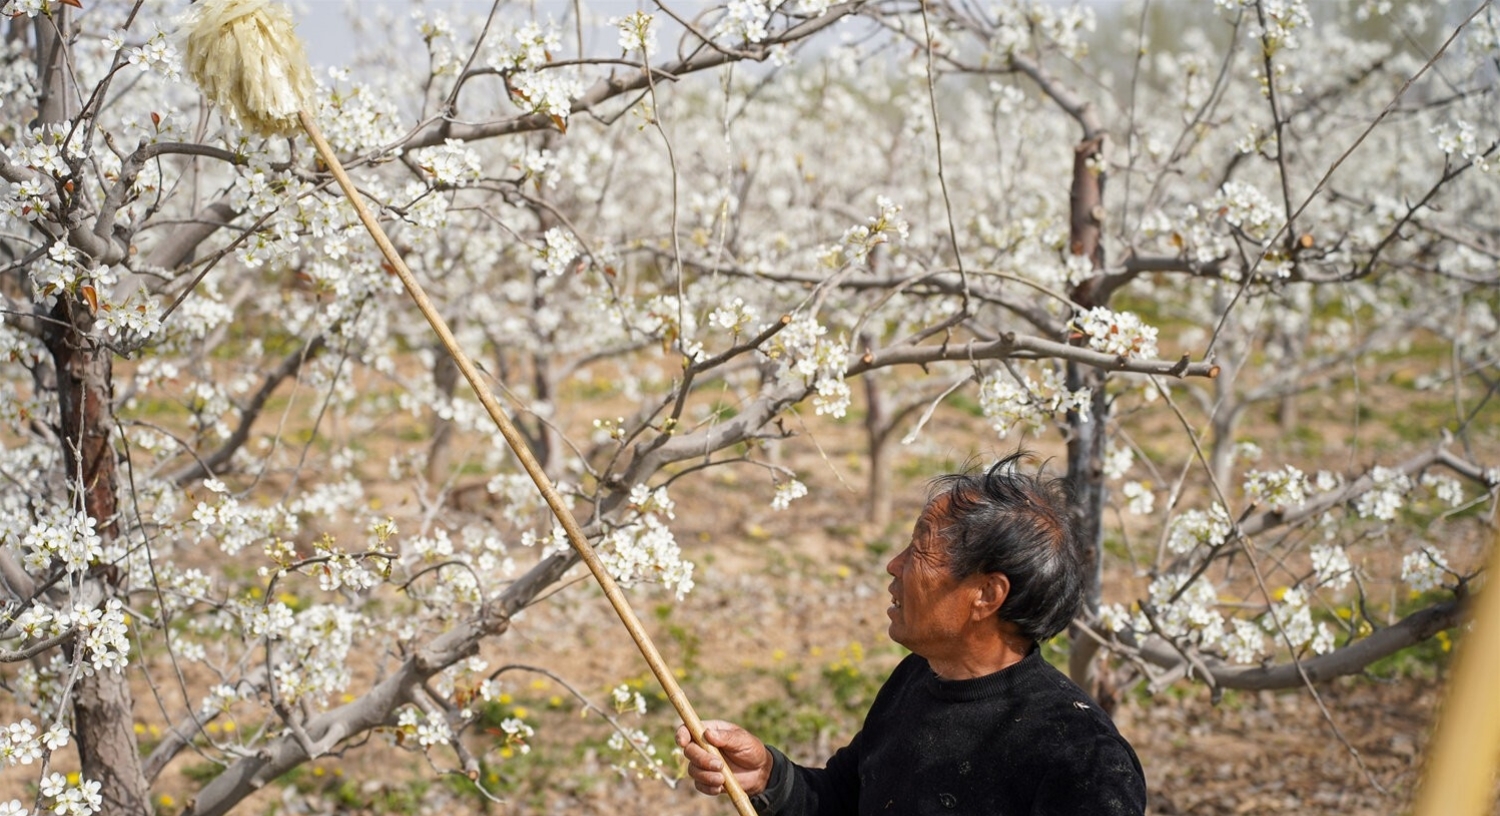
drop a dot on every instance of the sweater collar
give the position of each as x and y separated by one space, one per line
990 685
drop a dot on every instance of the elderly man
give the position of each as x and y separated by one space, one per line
974 721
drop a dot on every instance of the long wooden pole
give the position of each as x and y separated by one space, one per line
1460 775
528 461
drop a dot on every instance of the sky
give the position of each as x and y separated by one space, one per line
325 24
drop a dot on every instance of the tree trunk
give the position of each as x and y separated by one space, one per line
1087 436
102 712
1086 481
439 449
102 703
878 434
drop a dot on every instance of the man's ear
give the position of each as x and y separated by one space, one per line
994 588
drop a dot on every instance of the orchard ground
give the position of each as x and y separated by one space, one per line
785 633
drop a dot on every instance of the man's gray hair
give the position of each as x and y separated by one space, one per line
1004 520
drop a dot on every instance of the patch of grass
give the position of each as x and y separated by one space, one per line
202 772
785 722
963 401
1056 652
721 411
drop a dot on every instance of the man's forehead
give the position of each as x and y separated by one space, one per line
934 517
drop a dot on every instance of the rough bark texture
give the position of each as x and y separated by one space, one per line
1087 435
878 432
102 706
102 703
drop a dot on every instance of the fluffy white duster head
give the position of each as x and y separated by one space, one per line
247 59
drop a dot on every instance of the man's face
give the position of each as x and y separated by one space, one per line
931 612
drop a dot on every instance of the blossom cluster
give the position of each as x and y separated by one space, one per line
22 744
524 57
68 536
805 356
1197 528
644 548
787 491
68 799
1247 209
744 20
451 164
1283 20
1185 608
1006 401
626 699
557 253
1460 139
1279 490
641 757
428 728
102 632
1020 23
637 34
1425 569
735 317
1123 334
1384 498
234 524
888 225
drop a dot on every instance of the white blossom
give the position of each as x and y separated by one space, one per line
1194 528
452 164
1140 501
1006 402
637 34
1279 490
516 733
646 550
1331 566
744 20
1119 333
1425 570
1385 496
1446 488
429 728
627 699
787 492
557 253
1244 643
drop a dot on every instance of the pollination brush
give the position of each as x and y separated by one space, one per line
246 57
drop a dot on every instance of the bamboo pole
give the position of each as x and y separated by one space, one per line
245 56
1461 761
533 468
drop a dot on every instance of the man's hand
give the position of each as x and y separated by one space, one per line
746 755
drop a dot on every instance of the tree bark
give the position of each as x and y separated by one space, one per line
878 434
1087 437
102 703
439 449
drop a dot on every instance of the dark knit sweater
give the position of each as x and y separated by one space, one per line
1024 740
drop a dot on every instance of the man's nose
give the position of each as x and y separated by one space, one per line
893 566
